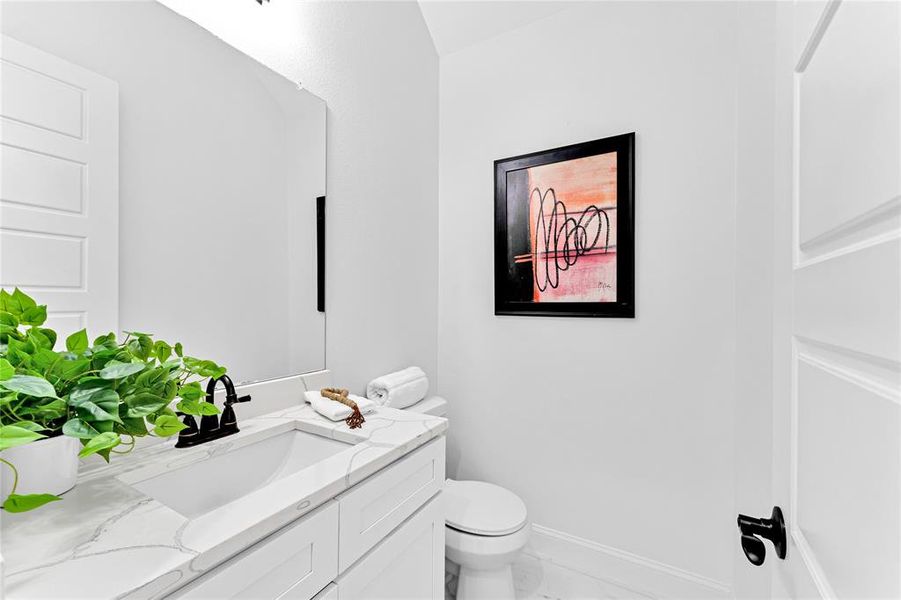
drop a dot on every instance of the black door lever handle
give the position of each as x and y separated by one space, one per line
772 529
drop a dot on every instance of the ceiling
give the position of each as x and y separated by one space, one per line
456 24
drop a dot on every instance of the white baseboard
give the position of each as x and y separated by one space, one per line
643 576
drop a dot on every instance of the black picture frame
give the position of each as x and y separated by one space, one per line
508 282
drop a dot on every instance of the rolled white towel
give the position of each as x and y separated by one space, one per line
399 389
336 411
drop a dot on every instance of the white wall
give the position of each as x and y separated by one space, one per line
757 160
375 66
616 431
220 162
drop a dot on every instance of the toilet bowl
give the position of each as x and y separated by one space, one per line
486 529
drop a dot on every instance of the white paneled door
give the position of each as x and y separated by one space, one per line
837 412
59 180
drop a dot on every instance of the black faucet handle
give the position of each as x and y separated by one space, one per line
234 399
229 420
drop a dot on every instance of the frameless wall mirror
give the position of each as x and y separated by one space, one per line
157 179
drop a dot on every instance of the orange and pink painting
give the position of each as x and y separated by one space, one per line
560 222
572 226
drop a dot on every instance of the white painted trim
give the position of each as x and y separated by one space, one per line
640 574
854 377
883 238
796 170
812 564
816 36
793 438
883 212
814 346
859 233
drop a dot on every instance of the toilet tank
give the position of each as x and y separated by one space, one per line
433 405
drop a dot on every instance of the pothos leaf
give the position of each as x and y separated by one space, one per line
49 334
24 300
141 346
16 503
6 304
29 425
167 425
77 342
34 315
86 388
104 441
192 407
162 350
19 352
79 429
16 303
191 391
107 342
115 369
44 359
29 386
6 370
101 406
54 409
71 369
12 436
204 368
134 426
143 404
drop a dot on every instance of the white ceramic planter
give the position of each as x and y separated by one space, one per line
48 466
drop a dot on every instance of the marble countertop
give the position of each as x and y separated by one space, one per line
108 540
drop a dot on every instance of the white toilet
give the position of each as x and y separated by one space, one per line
486 528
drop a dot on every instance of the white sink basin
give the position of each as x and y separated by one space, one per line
198 488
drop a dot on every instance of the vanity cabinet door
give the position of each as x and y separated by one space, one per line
408 564
372 509
292 564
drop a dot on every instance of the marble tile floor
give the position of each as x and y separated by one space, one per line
540 578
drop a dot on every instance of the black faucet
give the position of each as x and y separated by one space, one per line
212 427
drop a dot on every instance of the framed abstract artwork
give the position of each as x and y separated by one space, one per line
564 231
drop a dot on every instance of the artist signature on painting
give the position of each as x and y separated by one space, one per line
603 285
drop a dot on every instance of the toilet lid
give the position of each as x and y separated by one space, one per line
483 508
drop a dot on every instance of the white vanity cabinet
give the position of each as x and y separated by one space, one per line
382 538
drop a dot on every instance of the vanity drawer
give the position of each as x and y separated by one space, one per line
293 564
372 509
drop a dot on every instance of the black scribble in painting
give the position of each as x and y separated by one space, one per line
561 239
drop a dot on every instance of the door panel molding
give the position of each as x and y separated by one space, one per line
847 119
816 36
844 503
59 190
851 301
849 376
878 225
845 338
817 575
876 374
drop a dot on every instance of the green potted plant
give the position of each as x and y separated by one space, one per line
63 401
